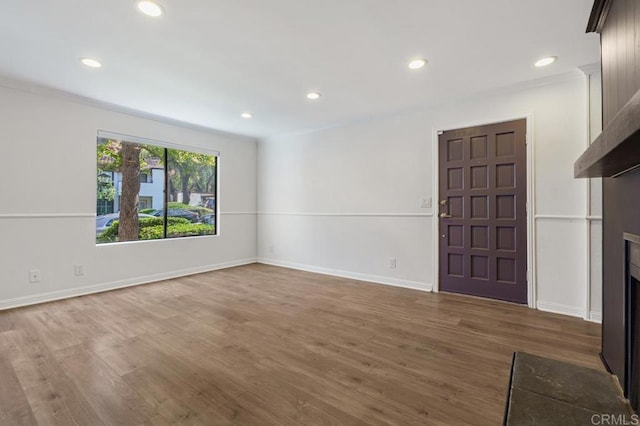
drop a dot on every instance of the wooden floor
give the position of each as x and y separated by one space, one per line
261 345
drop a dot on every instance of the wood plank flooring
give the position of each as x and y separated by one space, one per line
261 345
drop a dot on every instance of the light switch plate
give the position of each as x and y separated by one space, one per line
425 203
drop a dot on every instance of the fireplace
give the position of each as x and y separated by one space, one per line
632 318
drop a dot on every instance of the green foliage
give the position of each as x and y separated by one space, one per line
102 238
195 170
176 231
176 205
198 209
110 234
189 230
110 159
158 221
153 231
106 192
147 211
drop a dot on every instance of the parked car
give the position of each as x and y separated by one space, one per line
209 203
186 214
209 219
106 220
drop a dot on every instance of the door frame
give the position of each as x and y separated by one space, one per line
531 199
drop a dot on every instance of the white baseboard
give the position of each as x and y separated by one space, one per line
595 316
396 282
130 282
557 308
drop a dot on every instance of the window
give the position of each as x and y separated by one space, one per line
146 178
148 190
146 203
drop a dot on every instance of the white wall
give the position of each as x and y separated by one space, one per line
49 139
344 200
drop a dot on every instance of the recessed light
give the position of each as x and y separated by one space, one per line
313 95
546 61
92 63
246 115
150 8
417 63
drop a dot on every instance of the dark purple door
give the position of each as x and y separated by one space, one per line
483 218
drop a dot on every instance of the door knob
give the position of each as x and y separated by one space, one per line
443 202
445 215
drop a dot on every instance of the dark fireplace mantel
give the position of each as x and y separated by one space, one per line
617 149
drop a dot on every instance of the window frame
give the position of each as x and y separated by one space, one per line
103 134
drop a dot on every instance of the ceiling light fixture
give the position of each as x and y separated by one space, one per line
246 115
546 61
91 63
150 8
313 95
417 63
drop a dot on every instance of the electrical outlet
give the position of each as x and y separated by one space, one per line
392 263
78 270
34 276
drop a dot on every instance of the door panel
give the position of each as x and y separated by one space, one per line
483 219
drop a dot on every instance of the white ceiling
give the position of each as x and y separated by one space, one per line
206 61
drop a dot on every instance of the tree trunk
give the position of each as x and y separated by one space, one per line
128 227
186 196
173 192
209 185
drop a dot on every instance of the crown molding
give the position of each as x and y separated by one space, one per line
591 69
